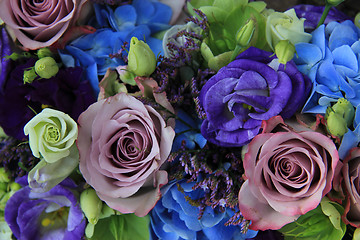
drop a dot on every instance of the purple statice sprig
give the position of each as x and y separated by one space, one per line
220 172
16 157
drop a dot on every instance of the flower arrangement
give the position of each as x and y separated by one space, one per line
175 119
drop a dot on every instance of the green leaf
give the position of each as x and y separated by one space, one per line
333 214
122 227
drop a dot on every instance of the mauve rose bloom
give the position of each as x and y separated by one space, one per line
287 174
248 90
123 144
38 24
351 181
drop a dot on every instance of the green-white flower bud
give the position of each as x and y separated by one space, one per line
91 205
334 2
284 51
345 109
44 52
141 59
336 124
46 67
245 34
29 75
14 186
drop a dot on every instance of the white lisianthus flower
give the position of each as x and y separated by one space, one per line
285 26
51 134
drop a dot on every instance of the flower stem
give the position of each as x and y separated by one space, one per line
324 14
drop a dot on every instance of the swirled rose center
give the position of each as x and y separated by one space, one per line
52 134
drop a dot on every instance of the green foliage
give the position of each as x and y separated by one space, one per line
324 222
122 227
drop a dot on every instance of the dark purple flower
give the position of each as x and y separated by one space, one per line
55 214
64 92
312 14
252 88
5 50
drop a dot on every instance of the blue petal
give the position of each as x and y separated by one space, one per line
307 54
345 56
342 35
123 18
318 38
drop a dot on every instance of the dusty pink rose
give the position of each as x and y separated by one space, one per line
38 24
122 145
287 174
351 183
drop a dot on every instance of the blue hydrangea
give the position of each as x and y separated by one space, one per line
173 217
331 60
114 27
187 129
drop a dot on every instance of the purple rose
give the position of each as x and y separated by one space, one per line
64 92
287 174
55 214
351 179
123 144
38 24
252 88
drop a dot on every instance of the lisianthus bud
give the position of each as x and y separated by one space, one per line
334 2
284 51
336 124
44 52
91 205
29 75
141 59
345 109
245 34
46 67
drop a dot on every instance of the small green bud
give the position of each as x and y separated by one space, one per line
357 23
345 109
284 51
14 186
46 67
29 76
334 2
246 33
44 52
141 59
4 176
336 124
91 205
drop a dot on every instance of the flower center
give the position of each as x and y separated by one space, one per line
52 133
56 219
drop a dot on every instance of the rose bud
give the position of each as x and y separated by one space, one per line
141 59
91 205
284 51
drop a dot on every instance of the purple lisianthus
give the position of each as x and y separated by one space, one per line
252 88
64 92
313 13
55 214
5 50
173 217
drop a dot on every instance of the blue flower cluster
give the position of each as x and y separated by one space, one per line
115 27
331 60
173 217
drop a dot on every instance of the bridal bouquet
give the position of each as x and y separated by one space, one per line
175 119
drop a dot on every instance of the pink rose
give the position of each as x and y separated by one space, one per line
38 24
123 144
287 174
351 183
